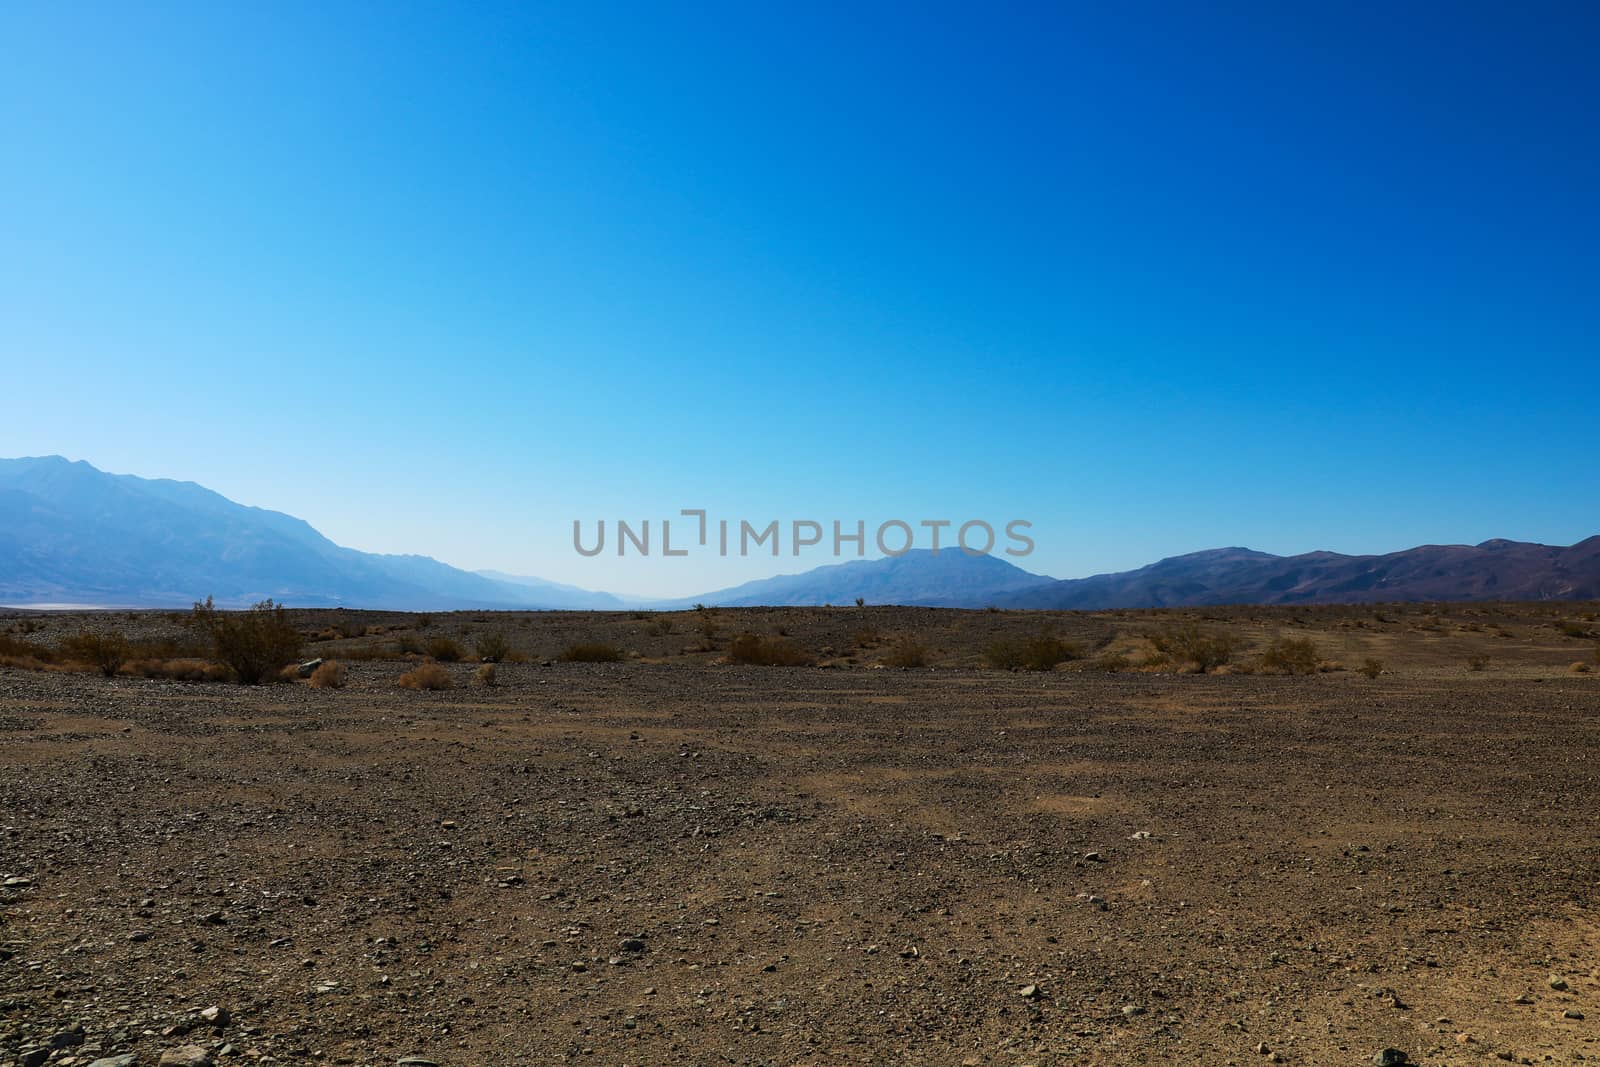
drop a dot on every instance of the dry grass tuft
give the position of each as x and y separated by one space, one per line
328 676
428 676
767 652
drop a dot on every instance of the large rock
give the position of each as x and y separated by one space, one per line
185 1056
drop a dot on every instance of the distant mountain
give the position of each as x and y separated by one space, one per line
1494 570
569 597
947 578
70 533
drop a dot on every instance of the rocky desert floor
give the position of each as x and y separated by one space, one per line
676 860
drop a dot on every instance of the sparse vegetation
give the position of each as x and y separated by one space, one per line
445 649
1371 667
485 675
1041 653
410 644
492 647
1477 662
591 652
906 652
254 644
104 652
184 669
1290 655
1191 643
330 675
427 676
767 651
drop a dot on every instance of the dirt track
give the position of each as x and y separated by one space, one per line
642 864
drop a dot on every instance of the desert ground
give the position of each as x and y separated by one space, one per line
675 859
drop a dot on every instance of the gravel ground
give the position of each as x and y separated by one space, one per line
647 864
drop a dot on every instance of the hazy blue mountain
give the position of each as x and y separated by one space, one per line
557 595
1494 570
947 578
70 533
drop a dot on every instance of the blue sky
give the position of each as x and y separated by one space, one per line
1155 277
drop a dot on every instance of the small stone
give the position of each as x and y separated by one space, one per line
67 1038
1523 998
1130 1010
216 1016
16 882
1093 857
415 1061
185 1056
1558 983
632 944
1029 992
1572 1013
1261 1048
33 1057
1390 1057
127 1059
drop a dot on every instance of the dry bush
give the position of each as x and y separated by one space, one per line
1290 655
255 644
445 650
1188 642
1111 662
18 649
328 676
661 627
429 676
104 652
767 651
591 652
1579 667
1572 628
492 647
906 652
1477 663
1041 653
178 670
1371 667
409 644
485 675
867 636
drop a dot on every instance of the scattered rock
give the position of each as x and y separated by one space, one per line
1572 1013
1029 992
1390 1057
216 1016
1558 983
185 1056
632 944
127 1059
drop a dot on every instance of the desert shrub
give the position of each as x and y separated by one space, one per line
186 669
328 676
1477 663
19 649
1112 662
906 652
429 676
1371 667
1041 653
1580 667
410 644
861 601
485 675
1572 628
254 644
492 647
1290 655
767 651
661 627
445 650
104 652
591 652
1189 642
867 636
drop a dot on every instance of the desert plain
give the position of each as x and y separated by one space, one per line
675 859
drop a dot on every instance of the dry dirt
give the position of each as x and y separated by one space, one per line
670 860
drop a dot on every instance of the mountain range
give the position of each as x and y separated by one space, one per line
72 534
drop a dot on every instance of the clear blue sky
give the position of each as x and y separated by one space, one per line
1156 277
